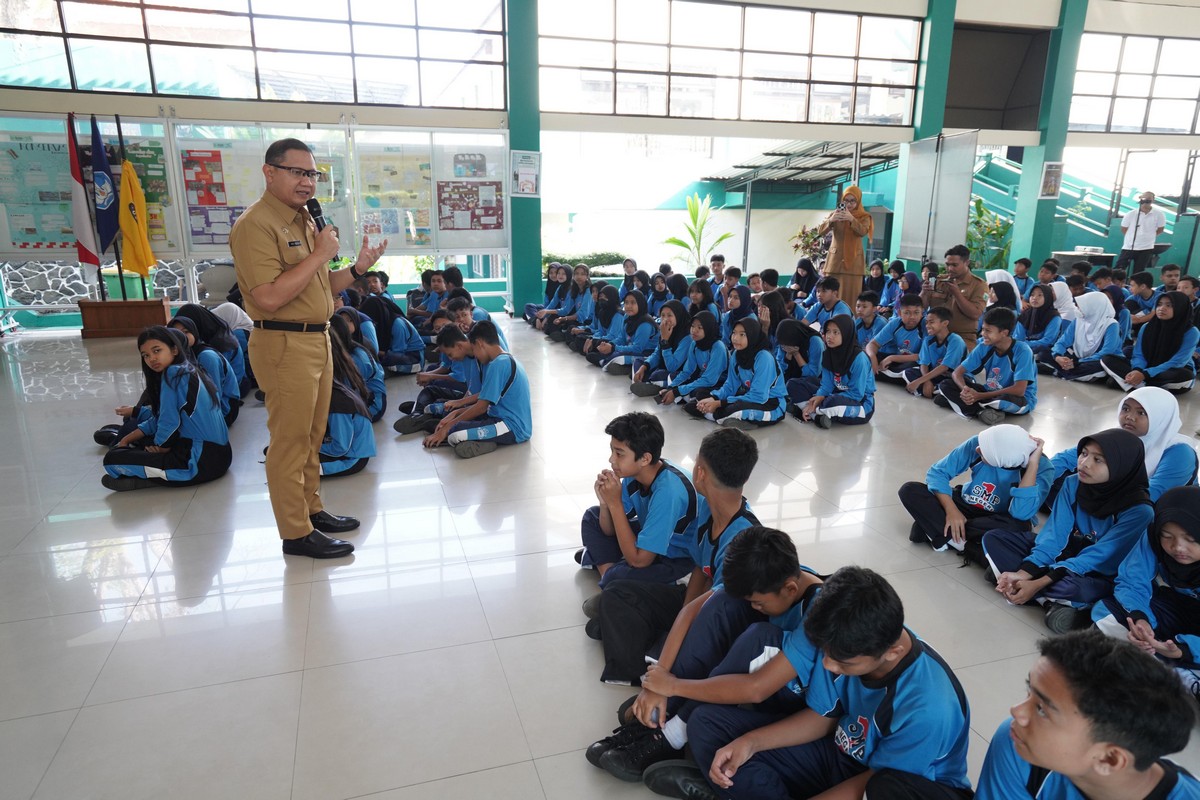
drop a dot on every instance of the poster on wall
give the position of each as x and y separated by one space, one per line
1052 175
150 160
395 191
35 195
526 173
210 218
470 206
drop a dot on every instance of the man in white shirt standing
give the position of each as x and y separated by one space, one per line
1141 228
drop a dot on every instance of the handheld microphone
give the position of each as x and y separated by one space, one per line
314 210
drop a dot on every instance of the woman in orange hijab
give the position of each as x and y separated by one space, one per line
846 260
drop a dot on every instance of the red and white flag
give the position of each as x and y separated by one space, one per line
81 218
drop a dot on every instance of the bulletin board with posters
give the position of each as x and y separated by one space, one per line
394 188
471 175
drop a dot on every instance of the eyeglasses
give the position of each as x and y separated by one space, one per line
1146 201
297 173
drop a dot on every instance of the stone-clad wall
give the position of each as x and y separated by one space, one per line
50 283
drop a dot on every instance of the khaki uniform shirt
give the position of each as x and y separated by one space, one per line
974 290
267 239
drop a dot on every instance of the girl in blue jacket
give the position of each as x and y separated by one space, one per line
183 422
1163 350
401 348
799 349
706 365
636 338
1085 341
1008 481
606 322
700 295
847 389
578 308
753 394
229 394
349 439
1156 601
739 306
370 370
1039 325
658 294
216 333
1097 518
671 355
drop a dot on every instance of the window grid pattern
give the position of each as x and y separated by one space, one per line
689 74
1136 84
402 52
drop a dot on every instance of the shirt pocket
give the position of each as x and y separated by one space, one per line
291 255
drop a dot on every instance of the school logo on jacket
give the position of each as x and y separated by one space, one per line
840 384
993 379
906 347
852 738
983 495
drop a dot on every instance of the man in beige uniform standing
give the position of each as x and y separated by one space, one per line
282 267
961 292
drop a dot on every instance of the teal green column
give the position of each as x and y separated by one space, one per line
524 133
1033 227
933 78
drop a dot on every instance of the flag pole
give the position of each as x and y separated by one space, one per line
121 142
88 198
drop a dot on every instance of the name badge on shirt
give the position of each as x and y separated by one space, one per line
296 243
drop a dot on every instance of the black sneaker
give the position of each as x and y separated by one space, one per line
107 436
629 762
678 778
621 736
915 534
941 401
407 407
625 711
1064 619
592 629
127 484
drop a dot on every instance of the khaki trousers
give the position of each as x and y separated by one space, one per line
295 371
852 283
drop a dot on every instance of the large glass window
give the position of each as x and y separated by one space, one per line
399 52
688 58
1136 84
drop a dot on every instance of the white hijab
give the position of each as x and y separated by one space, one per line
1096 314
1006 446
234 317
1004 276
1063 301
1162 409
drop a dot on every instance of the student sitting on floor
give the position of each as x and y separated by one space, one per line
730 279
631 615
1008 383
368 368
214 332
678 286
1143 298
706 365
829 303
721 649
739 307
500 413
798 351
701 298
636 338
647 509
886 716
578 308
772 310
608 324
658 293
1124 318
454 386
1152 415
804 281
670 356
558 287
1097 721
1008 482
184 422
941 353
349 439
215 366
1096 519
868 323
401 348
847 389
1156 601
361 326
1085 341
898 346
754 394
1039 325
241 326
433 298
1163 350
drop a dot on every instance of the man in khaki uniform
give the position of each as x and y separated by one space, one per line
961 292
282 267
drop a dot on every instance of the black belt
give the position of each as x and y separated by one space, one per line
294 327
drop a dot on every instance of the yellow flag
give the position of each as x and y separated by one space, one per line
136 255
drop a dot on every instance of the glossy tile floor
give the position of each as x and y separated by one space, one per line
157 644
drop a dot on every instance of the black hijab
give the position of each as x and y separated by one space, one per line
642 277
382 316
712 329
677 285
1006 295
756 340
656 295
633 322
1180 505
745 307
805 276
871 283
551 283
1127 484
607 306
210 328
683 323
1161 339
794 333
1035 320
189 325
839 360
774 303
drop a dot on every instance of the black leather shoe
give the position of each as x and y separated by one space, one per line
317 545
678 778
107 436
328 523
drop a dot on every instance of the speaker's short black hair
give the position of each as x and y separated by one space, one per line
641 432
277 150
759 561
730 456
